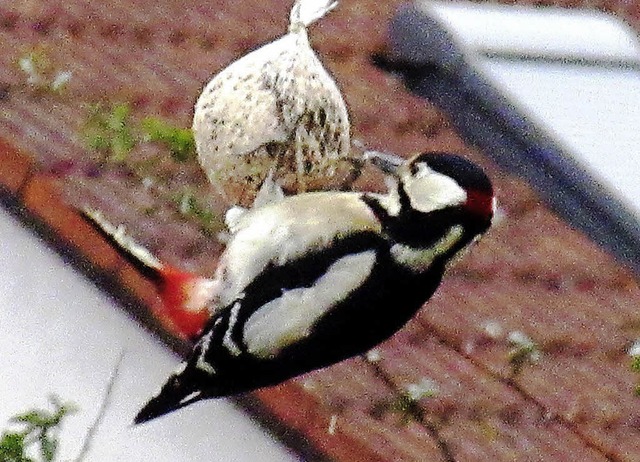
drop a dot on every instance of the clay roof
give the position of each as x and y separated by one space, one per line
532 273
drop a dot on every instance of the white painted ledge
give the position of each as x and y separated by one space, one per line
59 334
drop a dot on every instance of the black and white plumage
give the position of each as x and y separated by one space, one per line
320 277
275 109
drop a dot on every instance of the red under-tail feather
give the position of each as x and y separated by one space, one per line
184 298
184 295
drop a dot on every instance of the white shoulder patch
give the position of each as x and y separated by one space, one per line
291 317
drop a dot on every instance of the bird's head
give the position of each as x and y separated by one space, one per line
436 181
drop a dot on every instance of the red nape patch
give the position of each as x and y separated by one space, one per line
176 291
480 203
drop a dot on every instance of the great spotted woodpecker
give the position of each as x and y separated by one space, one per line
319 277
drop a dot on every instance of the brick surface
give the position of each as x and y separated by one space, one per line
290 403
42 198
14 166
531 273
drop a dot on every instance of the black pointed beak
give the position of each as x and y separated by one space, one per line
388 163
172 397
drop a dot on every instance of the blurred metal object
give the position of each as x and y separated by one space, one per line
555 107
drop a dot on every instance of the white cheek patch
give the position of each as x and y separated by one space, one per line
291 317
429 190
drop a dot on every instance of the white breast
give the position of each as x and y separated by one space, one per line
279 234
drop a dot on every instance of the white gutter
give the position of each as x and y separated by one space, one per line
60 334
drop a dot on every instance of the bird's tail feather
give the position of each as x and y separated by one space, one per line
139 256
189 384
174 395
184 295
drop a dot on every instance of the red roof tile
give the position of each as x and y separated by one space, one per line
531 273
14 167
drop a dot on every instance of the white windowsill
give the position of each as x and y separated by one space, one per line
61 335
